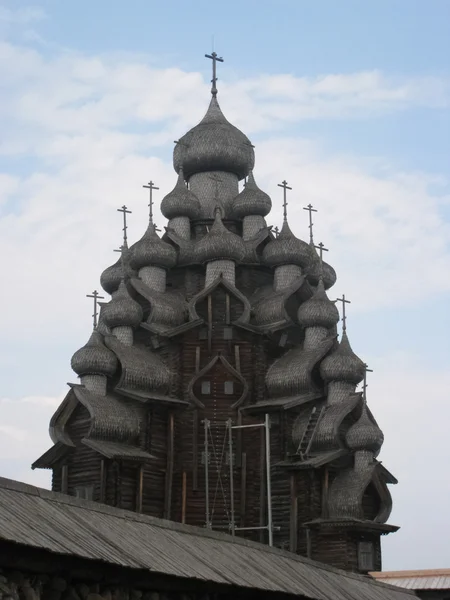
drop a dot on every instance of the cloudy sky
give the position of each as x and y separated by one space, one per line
349 101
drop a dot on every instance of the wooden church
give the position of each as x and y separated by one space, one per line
215 390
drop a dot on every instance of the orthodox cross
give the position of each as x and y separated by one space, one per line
276 231
151 186
125 213
367 370
215 59
96 297
310 209
285 187
321 248
344 317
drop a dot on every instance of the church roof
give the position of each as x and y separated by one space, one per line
286 249
214 145
180 202
122 310
94 358
364 434
152 251
343 364
318 311
251 201
64 526
220 243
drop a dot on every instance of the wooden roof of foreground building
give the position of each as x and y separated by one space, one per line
425 579
58 526
210 326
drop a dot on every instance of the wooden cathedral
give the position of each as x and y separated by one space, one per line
214 389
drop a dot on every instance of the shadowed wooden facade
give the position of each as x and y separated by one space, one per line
221 321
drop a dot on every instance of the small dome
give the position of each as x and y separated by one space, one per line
343 364
316 270
365 434
151 251
286 249
112 276
219 244
318 311
214 145
180 202
251 201
94 358
122 310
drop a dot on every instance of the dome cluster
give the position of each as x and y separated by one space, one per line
220 244
122 310
214 145
343 364
94 358
251 201
180 202
365 434
318 311
286 249
151 251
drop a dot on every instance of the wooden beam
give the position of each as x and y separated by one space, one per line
65 479
243 506
183 499
262 484
102 480
325 481
293 515
195 450
140 493
169 467
209 323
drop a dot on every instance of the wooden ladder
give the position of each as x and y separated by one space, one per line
310 430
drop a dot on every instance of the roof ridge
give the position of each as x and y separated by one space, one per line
58 498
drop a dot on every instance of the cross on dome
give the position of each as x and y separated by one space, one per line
124 210
344 316
310 209
215 59
95 295
150 186
285 187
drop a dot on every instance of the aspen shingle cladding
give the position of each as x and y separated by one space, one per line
270 331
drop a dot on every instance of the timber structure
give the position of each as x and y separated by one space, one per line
219 324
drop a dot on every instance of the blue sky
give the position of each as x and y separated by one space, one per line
349 101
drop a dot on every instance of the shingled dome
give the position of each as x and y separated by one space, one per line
112 276
343 364
365 434
94 358
220 244
214 145
286 249
320 269
180 202
151 251
318 311
122 310
251 201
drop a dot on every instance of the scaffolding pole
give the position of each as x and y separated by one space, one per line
269 526
208 522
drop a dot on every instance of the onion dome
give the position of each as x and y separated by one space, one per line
94 358
343 364
316 270
180 202
112 276
122 310
219 244
214 145
365 434
251 201
286 249
318 311
151 251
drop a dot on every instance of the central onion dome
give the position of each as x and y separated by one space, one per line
219 244
318 311
286 249
365 434
214 145
343 364
122 310
112 276
180 202
251 201
94 358
151 251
